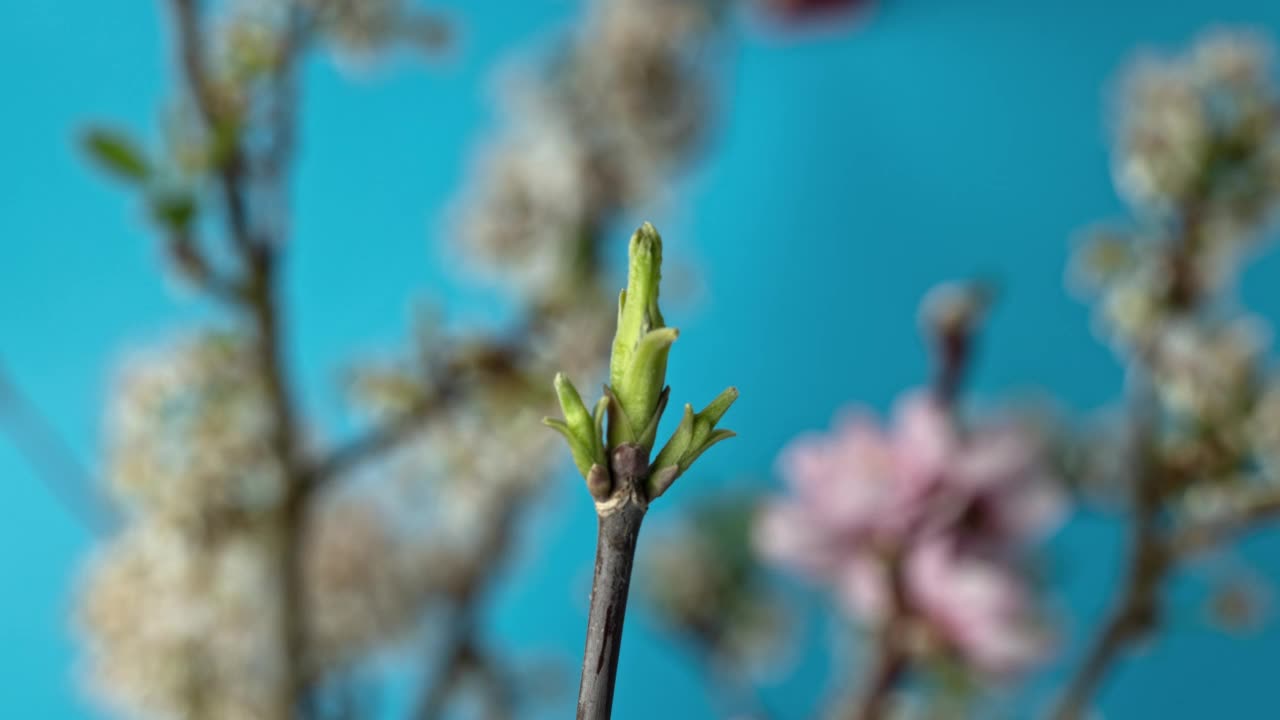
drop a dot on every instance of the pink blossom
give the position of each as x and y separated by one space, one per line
979 607
959 508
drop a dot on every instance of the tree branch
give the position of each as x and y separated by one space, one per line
260 301
370 445
1136 612
462 653
52 458
192 55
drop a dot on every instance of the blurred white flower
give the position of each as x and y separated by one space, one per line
1196 133
367 583
1263 428
597 128
1164 135
188 433
528 206
1209 372
176 628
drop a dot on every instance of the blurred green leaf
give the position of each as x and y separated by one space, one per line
117 153
174 210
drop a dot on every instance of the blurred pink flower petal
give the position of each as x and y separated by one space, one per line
924 440
960 508
784 534
980 608
797 10
863 589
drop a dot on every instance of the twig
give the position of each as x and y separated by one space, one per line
1137 610
373 443
954 340
890 665
618 531
1131 619
462 654
891 662
52 459
192 55
434 699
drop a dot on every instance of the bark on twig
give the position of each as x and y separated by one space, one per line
619 520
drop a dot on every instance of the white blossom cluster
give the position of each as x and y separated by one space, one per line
188 435
176 626
176 609
1199 159
621 105
1201 130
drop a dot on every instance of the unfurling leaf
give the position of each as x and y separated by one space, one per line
174 210
694 436
582 430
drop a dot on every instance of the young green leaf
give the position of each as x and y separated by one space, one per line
117 154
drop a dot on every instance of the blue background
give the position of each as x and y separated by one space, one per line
852 169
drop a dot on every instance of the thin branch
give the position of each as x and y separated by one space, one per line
434 699
462 654
619 522
890 665
1136 612
260 300
372 444
1130 620
1151 559
52 458
954 342
456 377
891 662
192 54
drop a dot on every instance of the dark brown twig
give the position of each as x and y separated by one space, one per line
619 520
